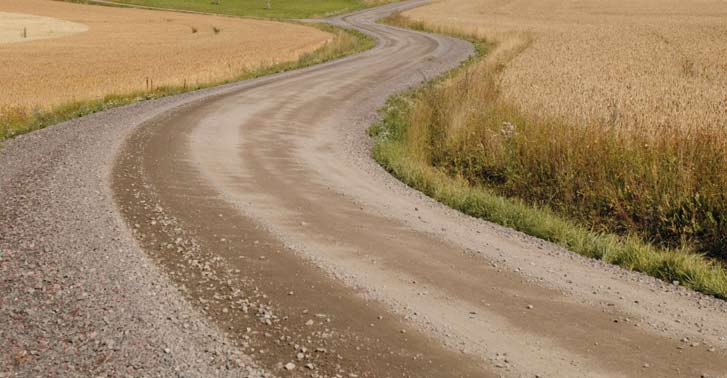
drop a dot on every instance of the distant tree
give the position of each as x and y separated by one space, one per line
268 4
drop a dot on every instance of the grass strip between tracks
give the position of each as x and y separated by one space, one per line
15 122
395 152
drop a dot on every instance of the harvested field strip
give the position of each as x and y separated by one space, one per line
16 121
19 27
418 142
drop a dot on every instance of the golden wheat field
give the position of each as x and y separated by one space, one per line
125 50
626 62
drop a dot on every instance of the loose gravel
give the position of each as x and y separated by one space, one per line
78 297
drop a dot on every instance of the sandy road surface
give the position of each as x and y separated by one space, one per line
260 203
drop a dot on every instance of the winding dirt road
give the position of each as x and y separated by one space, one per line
261 206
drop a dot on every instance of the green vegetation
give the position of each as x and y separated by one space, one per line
16 121
459 142
258 8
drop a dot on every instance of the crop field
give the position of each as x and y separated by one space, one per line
645 62
127 50
263 9
608 114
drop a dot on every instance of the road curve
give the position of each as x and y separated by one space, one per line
296 254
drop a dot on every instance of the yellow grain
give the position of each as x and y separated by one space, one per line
643 63
126 50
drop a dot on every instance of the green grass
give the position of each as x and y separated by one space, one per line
410 136
16 121
256 8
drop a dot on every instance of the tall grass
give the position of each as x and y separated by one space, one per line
19 120
649 200
668 185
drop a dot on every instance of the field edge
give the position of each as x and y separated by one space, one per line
362 4
391 151
19 121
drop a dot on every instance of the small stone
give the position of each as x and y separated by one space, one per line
530 307
289 366
167 350
646 365
309 322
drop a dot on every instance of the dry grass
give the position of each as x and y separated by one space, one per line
580 111
643 63
130 50
457 141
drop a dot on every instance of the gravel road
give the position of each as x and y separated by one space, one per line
244 231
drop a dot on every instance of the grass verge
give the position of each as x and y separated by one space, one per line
15 121
405 150
278 9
